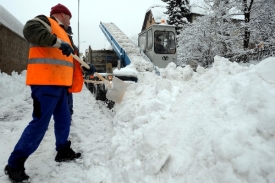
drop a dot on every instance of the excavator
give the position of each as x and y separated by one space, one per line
156 45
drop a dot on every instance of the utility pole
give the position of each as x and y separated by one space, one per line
78 28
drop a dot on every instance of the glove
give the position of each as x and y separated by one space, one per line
66 49
92 69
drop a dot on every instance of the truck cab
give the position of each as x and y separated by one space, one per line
158 42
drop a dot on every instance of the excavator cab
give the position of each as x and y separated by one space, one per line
158 42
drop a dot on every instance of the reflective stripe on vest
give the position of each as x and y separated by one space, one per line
47 65
49 61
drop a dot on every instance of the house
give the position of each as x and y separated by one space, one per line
155 15
13 47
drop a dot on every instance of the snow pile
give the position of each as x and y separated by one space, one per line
215 125
13 90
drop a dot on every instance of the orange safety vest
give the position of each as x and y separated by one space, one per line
47 65
78 79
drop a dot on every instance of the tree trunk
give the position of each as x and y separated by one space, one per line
247 10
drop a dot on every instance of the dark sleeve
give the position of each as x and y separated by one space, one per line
76 49
74 46
35 32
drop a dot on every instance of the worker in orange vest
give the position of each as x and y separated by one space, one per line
76 76
50 74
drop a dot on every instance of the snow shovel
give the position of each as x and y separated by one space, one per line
80 61
116 89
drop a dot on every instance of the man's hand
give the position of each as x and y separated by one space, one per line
92 69
66 49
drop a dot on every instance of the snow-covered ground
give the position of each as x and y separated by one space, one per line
216 125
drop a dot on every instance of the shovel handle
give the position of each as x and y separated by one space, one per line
94 82
80 61
103 79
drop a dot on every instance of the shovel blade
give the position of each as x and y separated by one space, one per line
116 93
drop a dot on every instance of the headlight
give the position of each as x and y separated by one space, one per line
110 77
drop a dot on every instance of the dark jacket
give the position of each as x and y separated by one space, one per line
74 46
159 48
35 32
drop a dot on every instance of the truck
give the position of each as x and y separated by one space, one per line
156 44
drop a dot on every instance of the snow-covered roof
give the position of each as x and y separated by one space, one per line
197 7
197 10
238 17
158 12
236 14
8 20
202 9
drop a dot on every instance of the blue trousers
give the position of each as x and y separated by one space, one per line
70 103
48 101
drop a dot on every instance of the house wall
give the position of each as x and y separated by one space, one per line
192 17
13 51
149 20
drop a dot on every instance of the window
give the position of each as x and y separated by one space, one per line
142 41
150 39
164 42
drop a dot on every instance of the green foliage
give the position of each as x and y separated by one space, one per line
177 10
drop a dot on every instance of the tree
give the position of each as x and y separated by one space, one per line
177 11
262 24
258 27
246 10
210 35
232 29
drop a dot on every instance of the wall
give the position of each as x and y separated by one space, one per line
13 51
148 20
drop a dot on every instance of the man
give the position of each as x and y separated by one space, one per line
158 47
49 74
171 45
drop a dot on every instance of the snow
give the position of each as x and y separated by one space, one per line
7 19
198 10
215 125
198 7
139 62
125 71
238 17
158 13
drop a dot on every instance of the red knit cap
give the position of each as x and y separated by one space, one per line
59 8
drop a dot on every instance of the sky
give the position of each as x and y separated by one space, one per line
215 125
127 15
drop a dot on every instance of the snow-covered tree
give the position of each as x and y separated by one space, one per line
258 28
262 24
214 34
134 39
177 11
246 7
234 29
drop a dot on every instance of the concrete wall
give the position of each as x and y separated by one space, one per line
13 51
